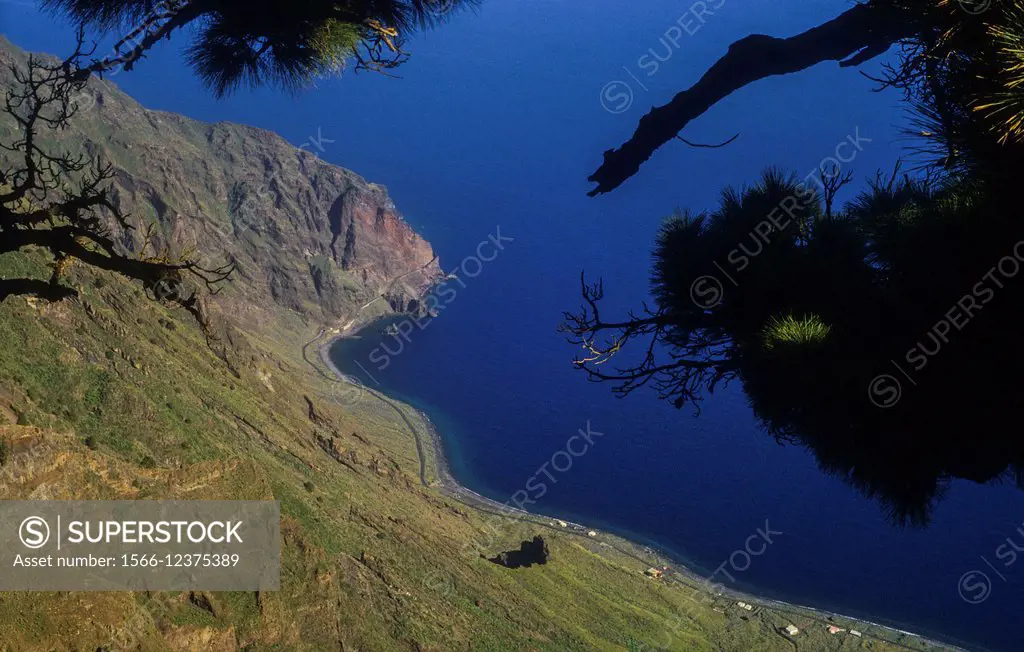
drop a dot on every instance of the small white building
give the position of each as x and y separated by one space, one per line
791 630
854 632
591 534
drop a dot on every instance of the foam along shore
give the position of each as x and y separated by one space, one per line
675 569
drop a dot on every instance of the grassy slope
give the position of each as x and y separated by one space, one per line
124 400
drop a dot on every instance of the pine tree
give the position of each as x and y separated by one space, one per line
237 42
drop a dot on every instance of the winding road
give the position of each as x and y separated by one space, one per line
448 486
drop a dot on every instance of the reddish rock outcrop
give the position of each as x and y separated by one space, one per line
307 236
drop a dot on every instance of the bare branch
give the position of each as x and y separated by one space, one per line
694 365
862 32
61 203
723 144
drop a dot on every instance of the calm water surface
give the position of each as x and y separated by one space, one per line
496 123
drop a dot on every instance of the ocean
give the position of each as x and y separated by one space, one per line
493 127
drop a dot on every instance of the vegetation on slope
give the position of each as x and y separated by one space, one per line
110 395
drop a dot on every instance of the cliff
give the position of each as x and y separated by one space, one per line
305 235
110 395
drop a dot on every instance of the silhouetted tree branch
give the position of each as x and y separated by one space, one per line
159 23
255 41
858 35
681 372
706 146
832 181
61 204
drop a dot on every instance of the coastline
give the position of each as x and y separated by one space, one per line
680 571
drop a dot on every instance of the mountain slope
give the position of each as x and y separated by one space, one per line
111 395
306 236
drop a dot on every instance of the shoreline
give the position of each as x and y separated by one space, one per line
446 483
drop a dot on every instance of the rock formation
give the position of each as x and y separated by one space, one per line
529 553
307 236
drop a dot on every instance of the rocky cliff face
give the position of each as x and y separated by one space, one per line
305 235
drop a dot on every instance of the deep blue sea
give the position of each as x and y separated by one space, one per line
495 124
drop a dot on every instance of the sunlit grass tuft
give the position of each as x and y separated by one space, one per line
794 332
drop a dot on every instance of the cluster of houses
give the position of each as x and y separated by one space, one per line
561 523
832 629
655 573
789 630
792 630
